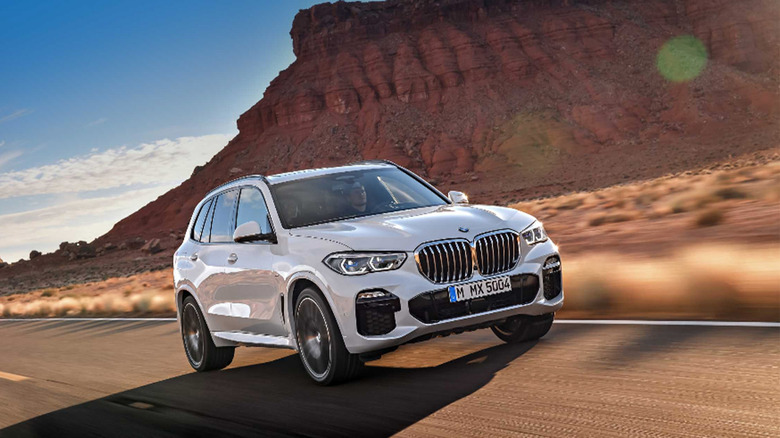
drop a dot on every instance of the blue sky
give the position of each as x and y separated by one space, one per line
106 105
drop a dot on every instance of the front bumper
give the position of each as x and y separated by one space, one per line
412 321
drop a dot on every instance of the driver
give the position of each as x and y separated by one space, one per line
357 198
291 209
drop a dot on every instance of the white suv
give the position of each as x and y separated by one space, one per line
345 264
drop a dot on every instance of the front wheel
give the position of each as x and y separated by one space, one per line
320 344
202 354
522 328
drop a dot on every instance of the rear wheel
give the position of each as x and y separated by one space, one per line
202 354
320 344
522 328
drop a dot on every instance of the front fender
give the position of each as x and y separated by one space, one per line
321 283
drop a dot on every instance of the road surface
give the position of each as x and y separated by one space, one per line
130 378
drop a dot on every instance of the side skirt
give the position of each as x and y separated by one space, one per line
255 340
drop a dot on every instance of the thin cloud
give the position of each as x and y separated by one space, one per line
7 157
97 122
2 143
15 115
78 219
161 162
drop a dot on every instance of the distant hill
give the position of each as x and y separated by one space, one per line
505 100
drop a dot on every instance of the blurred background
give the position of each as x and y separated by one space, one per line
643 134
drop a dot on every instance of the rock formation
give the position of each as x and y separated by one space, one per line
502 99
152 247
73 251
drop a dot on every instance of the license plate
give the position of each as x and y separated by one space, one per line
479 289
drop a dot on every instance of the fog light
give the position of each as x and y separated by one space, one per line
553 281
368 295
551 263
375 310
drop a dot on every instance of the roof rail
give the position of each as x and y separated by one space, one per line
378 161
237 179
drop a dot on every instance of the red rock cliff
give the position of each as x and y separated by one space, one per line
503 99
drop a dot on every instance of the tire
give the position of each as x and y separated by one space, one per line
523 328
201 352
320 345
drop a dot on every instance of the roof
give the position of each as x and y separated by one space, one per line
308 173
243 178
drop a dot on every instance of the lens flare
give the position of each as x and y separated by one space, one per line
682 58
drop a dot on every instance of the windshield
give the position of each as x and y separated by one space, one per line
347 195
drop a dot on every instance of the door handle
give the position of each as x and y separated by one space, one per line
194 257
232 258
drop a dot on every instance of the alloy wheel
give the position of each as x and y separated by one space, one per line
192 334
313 337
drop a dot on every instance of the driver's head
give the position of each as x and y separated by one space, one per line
291 209
357 196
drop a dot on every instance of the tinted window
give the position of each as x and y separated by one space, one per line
197 229
349 194
209 220
402 188
251 207
222 223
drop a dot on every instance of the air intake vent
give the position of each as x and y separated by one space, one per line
553 284
446 261
435 306
497 252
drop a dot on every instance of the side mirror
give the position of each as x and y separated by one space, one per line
250 232
458 197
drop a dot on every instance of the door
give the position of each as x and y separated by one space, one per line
251 286
189 267
215 249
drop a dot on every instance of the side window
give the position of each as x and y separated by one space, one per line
222 224
251 207
197 229
209 221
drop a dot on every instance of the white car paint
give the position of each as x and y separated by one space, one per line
249 301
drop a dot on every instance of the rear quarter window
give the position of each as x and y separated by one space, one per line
197 229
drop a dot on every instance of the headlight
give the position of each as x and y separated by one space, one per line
534 234
355 263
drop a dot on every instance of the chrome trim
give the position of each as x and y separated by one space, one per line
506 241
486 254
496 244
446 261
439 274
258 176
494 248
451 264
443 260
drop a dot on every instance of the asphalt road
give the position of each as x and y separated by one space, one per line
66 378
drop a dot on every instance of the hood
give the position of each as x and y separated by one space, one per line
405 230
